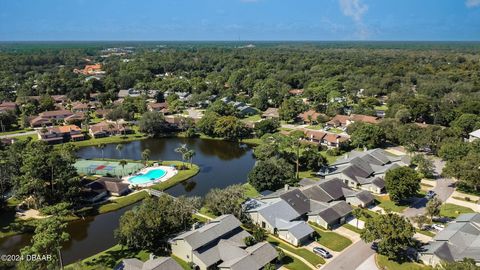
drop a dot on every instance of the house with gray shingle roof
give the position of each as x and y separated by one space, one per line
279 217
364 169
459 240
160 263
285 211
220 243
474 135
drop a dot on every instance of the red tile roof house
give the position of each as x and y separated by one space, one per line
8 106
158 107
105 129
82 107
345 120
45 118
328 139
57 98
60 134
310 116
101 113
75 118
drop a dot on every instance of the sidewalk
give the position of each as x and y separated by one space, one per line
475 207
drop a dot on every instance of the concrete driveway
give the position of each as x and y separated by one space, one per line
444 188
351 258
368 264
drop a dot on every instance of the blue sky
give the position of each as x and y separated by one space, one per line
240 19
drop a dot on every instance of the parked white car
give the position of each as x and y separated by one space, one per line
438 227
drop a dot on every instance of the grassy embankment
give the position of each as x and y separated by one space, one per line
113 256
387 264
7 217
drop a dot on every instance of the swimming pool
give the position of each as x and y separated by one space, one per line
150 176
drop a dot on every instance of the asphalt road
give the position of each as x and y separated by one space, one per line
351 258
443 188
18 134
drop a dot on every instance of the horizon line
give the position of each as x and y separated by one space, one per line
232 40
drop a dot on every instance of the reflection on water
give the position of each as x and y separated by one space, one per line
221 164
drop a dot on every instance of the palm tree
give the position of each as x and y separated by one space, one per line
146 155
182 149
122 163
119 149
101 147
189 156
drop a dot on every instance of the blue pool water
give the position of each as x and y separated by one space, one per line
149 177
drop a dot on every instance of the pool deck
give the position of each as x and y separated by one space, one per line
170 172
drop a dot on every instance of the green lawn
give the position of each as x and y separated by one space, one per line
293 263
109 258
16 131
331 240
302 252
308 174
427 233
453 211
8 218
352 228
250 191
388 205
315 127
330 159
181 176
34 137
252 118
182 263
335 130
111 139
205 211
122 202
387 264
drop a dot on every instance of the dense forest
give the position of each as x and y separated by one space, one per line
430 91
435 86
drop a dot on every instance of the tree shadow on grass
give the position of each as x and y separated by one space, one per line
111 258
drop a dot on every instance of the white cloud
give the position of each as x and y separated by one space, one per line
472 3
355 9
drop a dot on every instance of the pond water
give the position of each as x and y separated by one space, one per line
221 164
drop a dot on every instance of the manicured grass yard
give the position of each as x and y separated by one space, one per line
122 202
205 211
387 204
182 263
352 228
110 258
16 131
331 240
302 252
181 176
385 263
250 191
453 210
307 174
315 127
112 139
253 118
293 263
427 233
330 159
